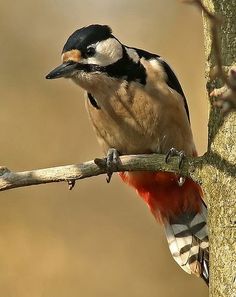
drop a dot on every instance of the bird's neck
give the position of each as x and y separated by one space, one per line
97 79
98 84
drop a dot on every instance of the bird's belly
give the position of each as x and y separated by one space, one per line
134 128
122 133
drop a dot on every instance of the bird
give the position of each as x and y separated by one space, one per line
137 106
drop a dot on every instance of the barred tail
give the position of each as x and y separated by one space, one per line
187 237
183 214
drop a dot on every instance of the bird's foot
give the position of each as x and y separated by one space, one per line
174 152
71 184
181 181
110 163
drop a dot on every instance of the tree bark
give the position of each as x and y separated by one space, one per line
218 175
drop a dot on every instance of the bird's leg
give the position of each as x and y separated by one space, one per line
174 152
110 163
181 181
71 184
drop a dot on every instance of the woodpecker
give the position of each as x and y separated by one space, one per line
137 106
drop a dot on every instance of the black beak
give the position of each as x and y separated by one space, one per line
64 70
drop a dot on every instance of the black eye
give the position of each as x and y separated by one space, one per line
90 51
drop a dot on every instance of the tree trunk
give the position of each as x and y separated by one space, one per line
220 168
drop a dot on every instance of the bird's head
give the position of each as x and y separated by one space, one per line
90 49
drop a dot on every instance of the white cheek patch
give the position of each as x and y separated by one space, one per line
108 52
132 54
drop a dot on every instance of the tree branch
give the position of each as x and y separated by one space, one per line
68 173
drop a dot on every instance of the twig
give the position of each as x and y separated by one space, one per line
70 173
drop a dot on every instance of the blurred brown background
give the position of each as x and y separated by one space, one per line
99 239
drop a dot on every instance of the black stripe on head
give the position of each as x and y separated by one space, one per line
125 69
85 36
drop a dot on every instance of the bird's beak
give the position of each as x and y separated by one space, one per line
64 70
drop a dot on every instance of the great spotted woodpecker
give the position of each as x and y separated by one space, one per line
136 106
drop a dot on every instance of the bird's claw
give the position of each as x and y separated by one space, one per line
181 181
112 160
174 152
71 184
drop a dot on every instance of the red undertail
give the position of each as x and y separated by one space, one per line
183 214
162 193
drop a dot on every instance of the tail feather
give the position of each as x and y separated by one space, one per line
183 214
188 242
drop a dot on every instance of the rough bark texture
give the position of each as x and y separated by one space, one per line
220 171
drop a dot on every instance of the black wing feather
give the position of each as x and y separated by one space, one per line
172 80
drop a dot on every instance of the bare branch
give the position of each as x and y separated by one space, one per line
70 173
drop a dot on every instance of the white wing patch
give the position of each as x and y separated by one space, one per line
132 54
156 65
